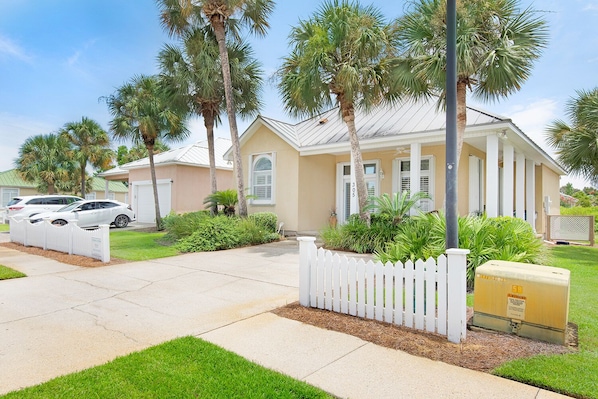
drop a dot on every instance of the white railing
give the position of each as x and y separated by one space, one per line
70 238
425 295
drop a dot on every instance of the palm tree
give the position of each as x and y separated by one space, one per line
45 160
576 145
90 144
125 155
144 112
497 44
194 72
396 206
222 16
340 56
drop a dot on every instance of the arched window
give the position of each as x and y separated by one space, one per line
262 178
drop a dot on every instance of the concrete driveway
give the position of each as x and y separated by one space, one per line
64 318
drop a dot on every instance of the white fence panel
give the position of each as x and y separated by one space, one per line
69 239
426 295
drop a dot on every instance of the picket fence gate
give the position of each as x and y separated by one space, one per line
70 239
426 295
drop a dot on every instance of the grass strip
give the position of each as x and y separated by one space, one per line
8 273
4 227
572 374
138 245
186 367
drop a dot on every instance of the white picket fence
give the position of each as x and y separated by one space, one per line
425 295
70 238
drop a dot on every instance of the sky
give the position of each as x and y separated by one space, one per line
59 58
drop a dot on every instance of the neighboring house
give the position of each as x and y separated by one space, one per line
12 185
303 171
568 201
183 177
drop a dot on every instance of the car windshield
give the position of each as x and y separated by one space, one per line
69 207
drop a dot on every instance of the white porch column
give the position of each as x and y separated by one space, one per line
415 161
520 187
492 175
106 190
354 203
507 181
530 192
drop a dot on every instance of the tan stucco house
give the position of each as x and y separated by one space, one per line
303 171
183 178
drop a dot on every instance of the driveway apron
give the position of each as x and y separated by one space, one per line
64 318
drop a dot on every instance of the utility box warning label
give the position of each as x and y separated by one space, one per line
516 307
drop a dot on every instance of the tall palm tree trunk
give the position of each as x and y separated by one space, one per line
461 115
348 114
208 119
83 166
150 152
218 25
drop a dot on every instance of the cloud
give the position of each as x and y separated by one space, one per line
13 50
533 118
15 129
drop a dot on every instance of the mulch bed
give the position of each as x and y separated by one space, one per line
76 260
482 350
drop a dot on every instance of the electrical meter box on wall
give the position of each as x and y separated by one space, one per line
529 300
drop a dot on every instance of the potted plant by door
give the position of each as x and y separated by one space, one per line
332 220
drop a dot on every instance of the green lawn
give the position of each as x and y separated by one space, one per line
137 245
183 368
7 273
4 227
573 374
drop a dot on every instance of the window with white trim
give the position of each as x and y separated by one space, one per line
262 178
90 196
426 179
111 196
7 195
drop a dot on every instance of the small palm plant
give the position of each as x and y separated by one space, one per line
227 199
397 205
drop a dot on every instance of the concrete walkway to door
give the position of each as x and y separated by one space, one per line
64 318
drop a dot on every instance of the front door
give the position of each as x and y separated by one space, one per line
345 191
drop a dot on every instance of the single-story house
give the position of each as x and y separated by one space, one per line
183 178
12 185
302 172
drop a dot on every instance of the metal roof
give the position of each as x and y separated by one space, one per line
11 178
195 154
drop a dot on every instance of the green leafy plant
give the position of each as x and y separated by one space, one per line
225 199
183 225
396 206
503 238
267 220
214 233
359 236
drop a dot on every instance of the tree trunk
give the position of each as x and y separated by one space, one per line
461 116
348 114
83 180
208 119
218 25
150 152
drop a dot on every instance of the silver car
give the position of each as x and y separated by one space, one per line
90 213
30 205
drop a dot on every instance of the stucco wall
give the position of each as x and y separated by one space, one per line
547 184
190 184
286 176
317 175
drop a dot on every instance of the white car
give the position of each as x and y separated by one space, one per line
29 205
90 213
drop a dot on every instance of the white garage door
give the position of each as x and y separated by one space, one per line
143 200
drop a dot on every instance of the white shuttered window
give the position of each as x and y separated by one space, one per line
426 179
262 178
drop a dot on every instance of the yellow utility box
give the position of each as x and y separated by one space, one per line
529 300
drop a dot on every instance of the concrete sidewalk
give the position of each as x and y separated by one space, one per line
64 318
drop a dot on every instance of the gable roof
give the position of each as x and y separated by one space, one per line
195 154
10 178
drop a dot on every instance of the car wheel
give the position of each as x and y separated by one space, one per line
121 221
59 222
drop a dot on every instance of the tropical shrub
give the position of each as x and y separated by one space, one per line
225 232
266 220
502 238
356 235
183 225
226 200
396 206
